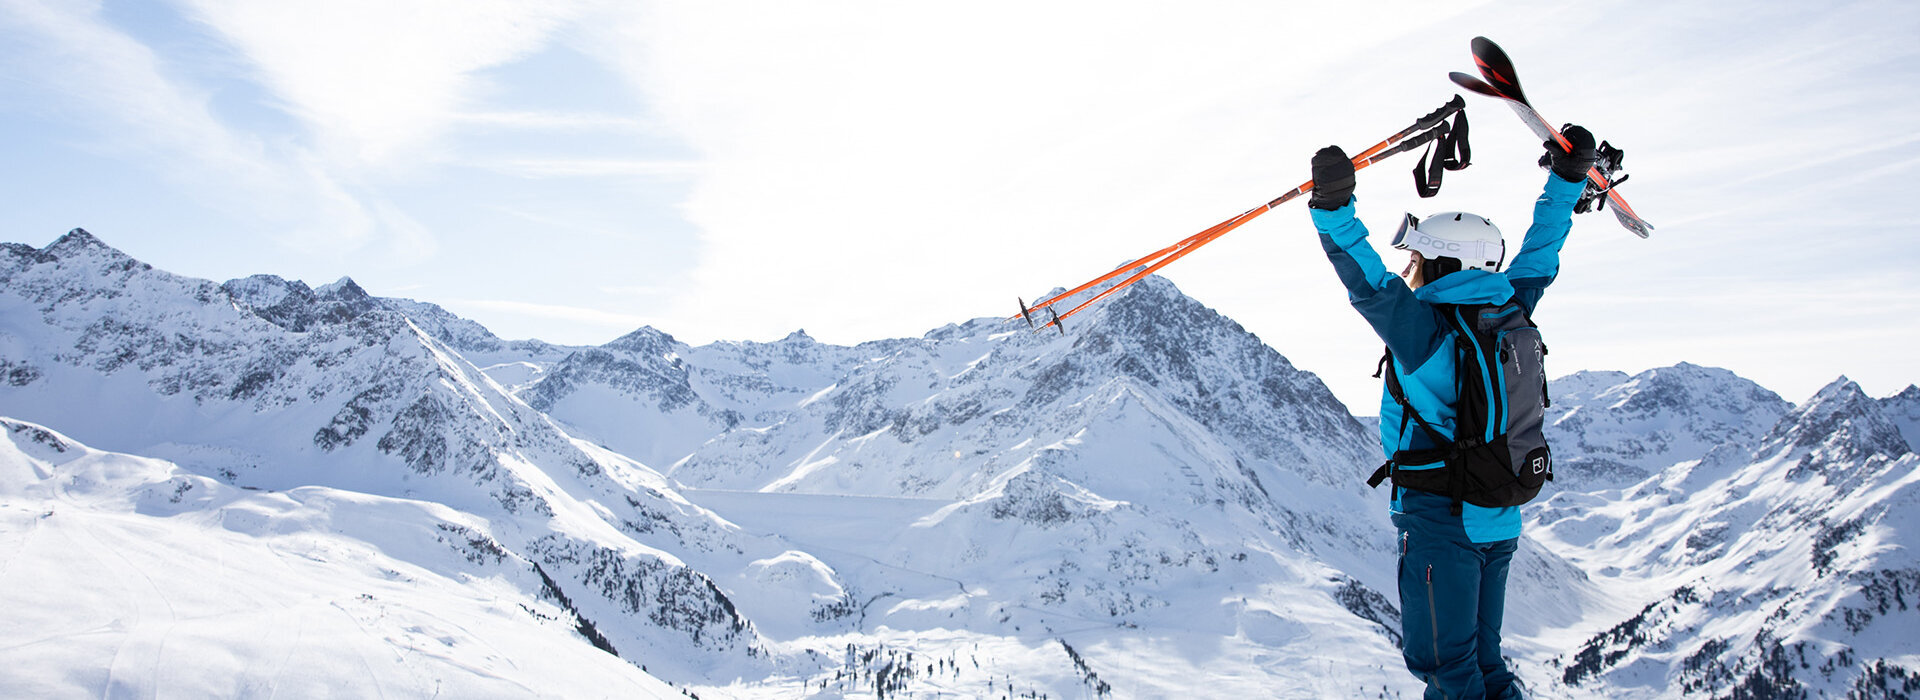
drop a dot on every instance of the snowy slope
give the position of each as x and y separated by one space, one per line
1154 505
1904 410
1610 430
514 364
265 384
1782 570
1156 479
258 391
131 576
292 305
649 396
996 394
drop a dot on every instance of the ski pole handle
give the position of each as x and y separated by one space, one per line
1426 128
1422 139
1426 123
1442 114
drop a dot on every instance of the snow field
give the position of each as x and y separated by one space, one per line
127 576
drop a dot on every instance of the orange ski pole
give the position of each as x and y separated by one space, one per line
1152 262
1123 269
1217 231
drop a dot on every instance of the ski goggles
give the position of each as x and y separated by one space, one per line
1408 222
1470 253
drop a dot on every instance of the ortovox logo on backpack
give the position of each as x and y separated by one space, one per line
1498 456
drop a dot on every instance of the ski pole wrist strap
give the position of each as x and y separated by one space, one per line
1449 151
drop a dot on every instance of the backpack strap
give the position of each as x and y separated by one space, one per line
1407 411
1444 449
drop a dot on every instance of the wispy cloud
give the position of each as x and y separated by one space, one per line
873 169
375 91
562 121
373 78
637 290
130 100
865 168
894 166
593 167
135 106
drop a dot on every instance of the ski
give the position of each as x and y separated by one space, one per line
1503 83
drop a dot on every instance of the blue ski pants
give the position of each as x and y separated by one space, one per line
1453 595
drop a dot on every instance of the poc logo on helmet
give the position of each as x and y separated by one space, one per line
1426 241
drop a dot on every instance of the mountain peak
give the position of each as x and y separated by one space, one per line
80 243
1153 306
292 305
646 339
1150 292
1688 385
798 336
77 238
1840 423
344 289
1904 410
264 291
1842 392
1619 429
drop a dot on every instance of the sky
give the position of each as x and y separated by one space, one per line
572 170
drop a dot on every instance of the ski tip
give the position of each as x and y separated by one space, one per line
1497 68
1491 53
1473 84
1633 224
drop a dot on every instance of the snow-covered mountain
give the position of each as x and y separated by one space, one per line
960 389
267 384
263 384
990 478
1155 504
1771 571
1611 430
1904 410
653 397
132 576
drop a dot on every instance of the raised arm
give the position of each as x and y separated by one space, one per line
1409 326
1538 262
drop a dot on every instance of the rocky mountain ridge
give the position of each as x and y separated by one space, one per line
1611 430
1068 512
1773 570
273 386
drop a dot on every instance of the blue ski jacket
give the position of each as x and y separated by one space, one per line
1411 324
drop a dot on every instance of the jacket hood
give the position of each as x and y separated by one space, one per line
1467 287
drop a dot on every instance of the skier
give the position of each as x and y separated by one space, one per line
1453 556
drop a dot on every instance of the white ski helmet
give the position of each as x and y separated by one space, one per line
1469 238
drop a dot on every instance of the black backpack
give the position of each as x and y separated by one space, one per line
1499 456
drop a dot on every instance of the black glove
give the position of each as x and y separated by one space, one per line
1571 165
1332 179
